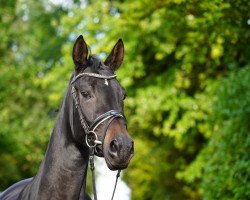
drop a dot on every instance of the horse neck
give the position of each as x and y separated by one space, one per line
63 170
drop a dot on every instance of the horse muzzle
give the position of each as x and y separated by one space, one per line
119 152
118 147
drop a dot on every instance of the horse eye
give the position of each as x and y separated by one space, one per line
86 95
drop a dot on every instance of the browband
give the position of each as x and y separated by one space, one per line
93 75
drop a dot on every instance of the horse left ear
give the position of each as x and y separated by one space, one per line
115 58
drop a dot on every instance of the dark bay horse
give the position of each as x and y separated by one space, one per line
90 118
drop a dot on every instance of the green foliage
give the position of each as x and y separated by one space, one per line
26 119
184 71
227 173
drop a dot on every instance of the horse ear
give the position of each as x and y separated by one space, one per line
80 53
115 58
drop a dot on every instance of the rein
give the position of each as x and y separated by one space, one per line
91 138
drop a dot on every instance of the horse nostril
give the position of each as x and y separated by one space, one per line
114 147
122 147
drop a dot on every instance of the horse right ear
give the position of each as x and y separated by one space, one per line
115 58
80 53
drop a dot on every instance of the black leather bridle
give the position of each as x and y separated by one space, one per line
91 138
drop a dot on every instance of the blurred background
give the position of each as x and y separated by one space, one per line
187 75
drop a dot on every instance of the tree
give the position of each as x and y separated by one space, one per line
176 54
26 55
226 173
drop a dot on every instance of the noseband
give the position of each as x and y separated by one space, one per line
91 138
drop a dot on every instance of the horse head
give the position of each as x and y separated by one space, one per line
99 99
